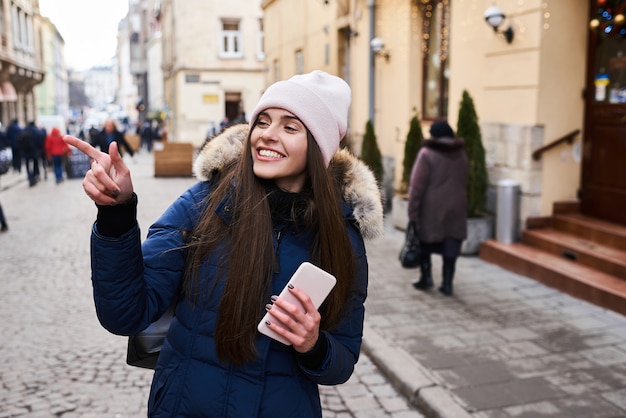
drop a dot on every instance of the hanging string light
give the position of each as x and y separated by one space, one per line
608 20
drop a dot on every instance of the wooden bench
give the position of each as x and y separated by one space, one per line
174 160
134 141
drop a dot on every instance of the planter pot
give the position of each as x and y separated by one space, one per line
400 212
478 230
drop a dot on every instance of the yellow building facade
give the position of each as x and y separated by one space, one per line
528 92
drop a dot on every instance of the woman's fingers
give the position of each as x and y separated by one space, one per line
108 181
120 174
301 323
83 146
99 186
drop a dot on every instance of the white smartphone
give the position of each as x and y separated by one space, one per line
313 281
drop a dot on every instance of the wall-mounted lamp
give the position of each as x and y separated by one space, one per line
495 17
378 47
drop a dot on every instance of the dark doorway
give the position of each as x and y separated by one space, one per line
603 191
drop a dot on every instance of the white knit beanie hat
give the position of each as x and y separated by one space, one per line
320 100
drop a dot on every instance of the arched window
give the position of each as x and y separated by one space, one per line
436 63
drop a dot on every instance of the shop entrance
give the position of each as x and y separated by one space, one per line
603 185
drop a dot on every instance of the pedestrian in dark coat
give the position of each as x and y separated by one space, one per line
28 150
271 196
147 135
438 202
13 131
38 136
4 226
108 134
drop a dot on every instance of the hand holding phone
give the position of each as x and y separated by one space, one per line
312 280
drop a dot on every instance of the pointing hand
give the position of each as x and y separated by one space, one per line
108 182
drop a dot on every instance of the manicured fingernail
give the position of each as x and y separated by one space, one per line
273 298
268 306
115 193
268 323
290 286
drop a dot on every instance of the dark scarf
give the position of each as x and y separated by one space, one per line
286 207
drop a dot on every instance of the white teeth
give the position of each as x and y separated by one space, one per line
269 154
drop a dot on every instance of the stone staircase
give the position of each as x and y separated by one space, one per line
582 256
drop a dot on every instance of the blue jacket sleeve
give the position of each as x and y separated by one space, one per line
133 284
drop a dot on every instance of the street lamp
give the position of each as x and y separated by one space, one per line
494 17
378 47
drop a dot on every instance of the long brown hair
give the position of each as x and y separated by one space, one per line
250 235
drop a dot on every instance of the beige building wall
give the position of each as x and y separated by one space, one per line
343 28
197 79
45 91
527 93
398 79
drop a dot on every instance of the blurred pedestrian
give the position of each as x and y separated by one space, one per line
272 195
27 149
6 154
56 151
39 162
147 135
3 221
93 133
13 131
109 134
438 202
225 123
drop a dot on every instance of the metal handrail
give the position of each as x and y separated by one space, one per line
569 138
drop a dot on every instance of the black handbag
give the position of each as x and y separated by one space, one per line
144 348
410 252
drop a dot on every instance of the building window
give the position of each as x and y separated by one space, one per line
299 62
276 71
326 54
192 78
231 44
260 42
436 63
17 39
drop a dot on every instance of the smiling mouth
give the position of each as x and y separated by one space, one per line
270 154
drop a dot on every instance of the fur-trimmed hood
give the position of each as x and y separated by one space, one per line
360 189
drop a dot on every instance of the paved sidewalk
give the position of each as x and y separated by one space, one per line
502 346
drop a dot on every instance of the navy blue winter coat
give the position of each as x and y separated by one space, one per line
134 283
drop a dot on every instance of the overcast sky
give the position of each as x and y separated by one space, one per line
89 28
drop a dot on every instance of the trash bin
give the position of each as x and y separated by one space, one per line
507 211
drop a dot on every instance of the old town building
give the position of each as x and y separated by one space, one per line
21 65
213 64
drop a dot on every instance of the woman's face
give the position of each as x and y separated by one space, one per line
278 145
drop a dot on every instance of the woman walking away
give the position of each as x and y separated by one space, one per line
272 195
438 202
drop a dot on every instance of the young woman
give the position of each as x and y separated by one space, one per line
270 196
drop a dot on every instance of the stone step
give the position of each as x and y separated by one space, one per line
567 276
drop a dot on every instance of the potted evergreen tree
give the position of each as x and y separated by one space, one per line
414 139
370 153
413 143
479 223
